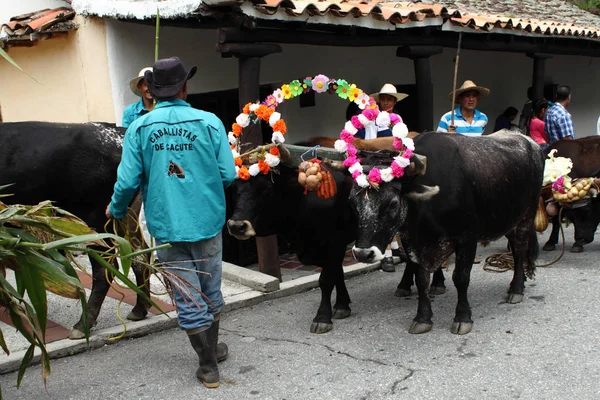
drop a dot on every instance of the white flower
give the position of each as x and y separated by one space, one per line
362 181
383 119
340 146
386 175
364 120
401 161
237 169
409 143
277 137
254 107
271 160
350 128
362 101
274 118
235 153
278 95
243 120
355 167
555 167
400 130
231 137
254 170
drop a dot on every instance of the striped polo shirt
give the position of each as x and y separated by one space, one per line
463 127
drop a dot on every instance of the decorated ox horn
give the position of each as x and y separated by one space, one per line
418 165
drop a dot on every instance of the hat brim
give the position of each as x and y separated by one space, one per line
161 92
133 85
398 96
483 91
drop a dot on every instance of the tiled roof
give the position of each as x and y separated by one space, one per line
27 29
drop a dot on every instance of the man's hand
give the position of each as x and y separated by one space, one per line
451 129
107 212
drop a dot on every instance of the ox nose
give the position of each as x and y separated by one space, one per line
366 255
240 229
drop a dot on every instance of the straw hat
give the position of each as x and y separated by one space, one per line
133 84
469 86
389 89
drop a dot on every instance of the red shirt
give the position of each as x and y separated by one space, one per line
536 131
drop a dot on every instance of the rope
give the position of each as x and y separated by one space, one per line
502 262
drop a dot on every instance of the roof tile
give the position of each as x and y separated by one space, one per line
24 30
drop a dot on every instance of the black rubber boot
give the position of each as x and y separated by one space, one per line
387 264
208 372
222 349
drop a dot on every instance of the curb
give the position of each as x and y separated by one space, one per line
257 281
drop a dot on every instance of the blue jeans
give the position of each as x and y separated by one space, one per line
206 257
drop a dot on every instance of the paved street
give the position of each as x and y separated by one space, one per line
545 348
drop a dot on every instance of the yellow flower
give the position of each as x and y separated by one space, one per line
354 92
287 91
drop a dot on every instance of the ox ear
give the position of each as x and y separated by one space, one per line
417 166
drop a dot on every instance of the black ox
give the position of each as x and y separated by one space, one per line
473 189
319 230
75 166
585 214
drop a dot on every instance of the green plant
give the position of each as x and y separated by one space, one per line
37 243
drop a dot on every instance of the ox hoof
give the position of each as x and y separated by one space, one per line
341 313
133 316
514 298
419 327
549 246
320 327
436 290
576 249
461 328
76 334
402 292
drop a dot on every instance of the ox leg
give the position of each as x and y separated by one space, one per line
553 239
403 289
524 244
101 280
437 285
142 277
422 322
465 254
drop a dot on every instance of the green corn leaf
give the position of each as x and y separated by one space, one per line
10 60
55 277
34 283
45 367
65 227
3 343
25 363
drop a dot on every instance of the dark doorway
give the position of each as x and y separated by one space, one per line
408 107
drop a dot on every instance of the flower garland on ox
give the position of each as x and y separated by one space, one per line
253 112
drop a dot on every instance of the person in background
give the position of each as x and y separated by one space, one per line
180 158
467 119
142 107
598 127
504 120
558 123
536 125
526 112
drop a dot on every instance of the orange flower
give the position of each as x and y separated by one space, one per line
260 111
263 167
232 146
238 162
280 126
274 151
243 173
237 129
268 113
246 109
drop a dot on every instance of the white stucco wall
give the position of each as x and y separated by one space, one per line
508 75
11 8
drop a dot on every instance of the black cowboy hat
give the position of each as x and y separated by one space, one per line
167 77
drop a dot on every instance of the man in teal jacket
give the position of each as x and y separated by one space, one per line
180 157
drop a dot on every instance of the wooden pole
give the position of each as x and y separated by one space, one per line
455 77
157 34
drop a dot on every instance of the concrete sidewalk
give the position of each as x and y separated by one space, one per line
242 287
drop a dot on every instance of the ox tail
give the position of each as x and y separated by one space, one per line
532 254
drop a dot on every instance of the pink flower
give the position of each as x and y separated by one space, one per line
370 113
397 170
375 175
356 122
558 185
347 136
356 174
320 83
397 143
351 150
395 118
350 161
271 101
407 154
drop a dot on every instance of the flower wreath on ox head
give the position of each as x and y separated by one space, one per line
253 112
